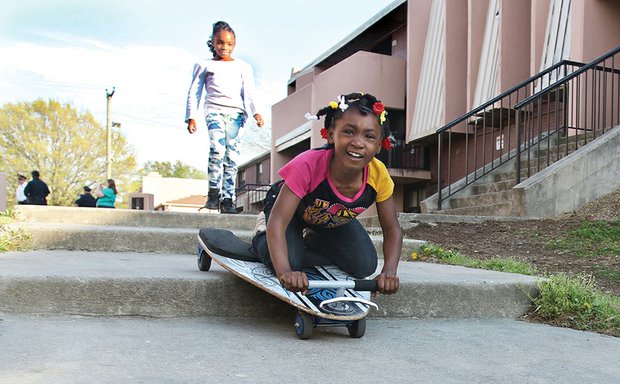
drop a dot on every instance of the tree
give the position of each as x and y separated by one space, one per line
68 148
178 169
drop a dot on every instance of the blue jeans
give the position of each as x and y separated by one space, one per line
224 153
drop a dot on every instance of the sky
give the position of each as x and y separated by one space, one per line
76 51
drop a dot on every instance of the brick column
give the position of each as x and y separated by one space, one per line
2 192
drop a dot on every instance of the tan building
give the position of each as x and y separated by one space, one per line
432 61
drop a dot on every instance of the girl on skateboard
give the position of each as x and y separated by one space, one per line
322 192
229 88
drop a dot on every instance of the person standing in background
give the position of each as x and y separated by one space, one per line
20 196
36 191
86 199
228 85
106 196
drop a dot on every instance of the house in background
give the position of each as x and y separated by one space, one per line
433 61
170 194
253 180
189 195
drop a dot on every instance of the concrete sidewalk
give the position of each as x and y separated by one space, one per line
149 316
77 350
170 285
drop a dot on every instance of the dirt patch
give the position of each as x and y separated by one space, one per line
531 240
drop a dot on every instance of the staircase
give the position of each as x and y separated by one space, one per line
552 138
100 262
560 168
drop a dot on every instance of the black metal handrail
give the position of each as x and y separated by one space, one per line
406 156
583 105
485 151
508 92
251 196
584 68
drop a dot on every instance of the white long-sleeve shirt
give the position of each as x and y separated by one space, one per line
19 194
228 86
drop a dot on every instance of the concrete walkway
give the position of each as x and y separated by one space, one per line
145 314
77 350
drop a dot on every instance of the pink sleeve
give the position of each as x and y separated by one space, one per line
305 172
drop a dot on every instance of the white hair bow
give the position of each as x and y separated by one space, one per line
310 116
342 104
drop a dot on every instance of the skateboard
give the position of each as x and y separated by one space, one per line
334 298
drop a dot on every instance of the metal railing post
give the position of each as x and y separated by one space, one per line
519 133
439 171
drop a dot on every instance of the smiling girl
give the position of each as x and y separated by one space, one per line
228 85
322 192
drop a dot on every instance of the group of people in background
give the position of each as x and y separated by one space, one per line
35 192
105 196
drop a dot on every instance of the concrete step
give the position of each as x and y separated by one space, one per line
552 151
482 188
482 199
170 285
499 209
121 230
504 176
132 218
117 238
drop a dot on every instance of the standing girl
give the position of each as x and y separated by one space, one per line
324 190
229 97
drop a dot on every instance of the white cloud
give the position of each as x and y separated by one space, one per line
151 89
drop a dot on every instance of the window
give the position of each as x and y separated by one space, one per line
499 142
241 179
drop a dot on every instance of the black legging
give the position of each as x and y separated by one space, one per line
348 247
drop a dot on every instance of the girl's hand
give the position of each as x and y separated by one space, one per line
191 126
294 281
259 120
387 283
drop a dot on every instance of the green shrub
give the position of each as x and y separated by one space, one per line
574 302
12 239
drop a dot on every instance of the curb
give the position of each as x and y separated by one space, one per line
170 285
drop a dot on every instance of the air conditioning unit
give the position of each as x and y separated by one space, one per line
141 201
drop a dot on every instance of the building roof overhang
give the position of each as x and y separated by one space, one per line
380 26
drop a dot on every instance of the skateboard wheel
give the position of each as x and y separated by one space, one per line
304 325
357 329
204 260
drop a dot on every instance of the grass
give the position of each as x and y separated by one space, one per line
574 302
494 264
564 300
12 239
591 239
606 273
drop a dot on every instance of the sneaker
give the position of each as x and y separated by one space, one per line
213 199
261 224
227 206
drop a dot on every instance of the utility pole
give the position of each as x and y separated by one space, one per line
108 162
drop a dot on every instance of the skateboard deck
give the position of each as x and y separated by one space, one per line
333 297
